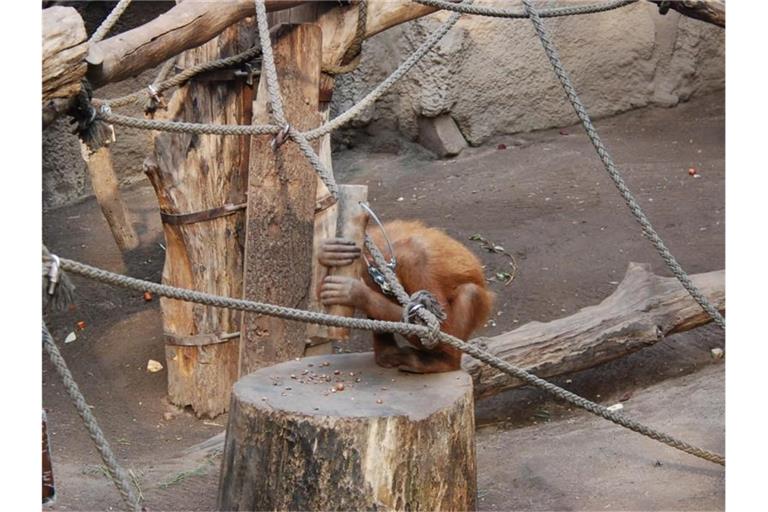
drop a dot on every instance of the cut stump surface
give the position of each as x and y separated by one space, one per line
382 439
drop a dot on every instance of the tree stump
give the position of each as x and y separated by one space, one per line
340 433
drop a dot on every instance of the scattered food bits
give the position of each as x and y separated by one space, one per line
401 199
340 387
379 401
563 132
501 146
154 366
616 407
148 296
70 338
337 372
325 363
717 353
168 416
80 325
288 388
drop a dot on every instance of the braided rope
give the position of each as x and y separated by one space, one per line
544 13
183 76
109 21
354 111
276 100
116 472
613 172
383 326
182 127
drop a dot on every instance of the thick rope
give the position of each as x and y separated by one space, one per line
352 56
182 127
109 22
183 76
544 13
116 472
382 326
276 100
613 172
342 119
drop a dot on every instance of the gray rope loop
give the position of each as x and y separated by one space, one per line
422 305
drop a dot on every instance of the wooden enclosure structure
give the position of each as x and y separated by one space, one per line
219 194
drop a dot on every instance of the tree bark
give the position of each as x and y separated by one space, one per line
199 173
386 441
640 312
281 204
64 49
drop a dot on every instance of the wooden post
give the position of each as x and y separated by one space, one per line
105 187
384 440
282 188
350 223
200 184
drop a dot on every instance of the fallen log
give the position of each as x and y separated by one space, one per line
711 11
642 310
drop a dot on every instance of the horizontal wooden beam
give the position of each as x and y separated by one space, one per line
642 310
194 22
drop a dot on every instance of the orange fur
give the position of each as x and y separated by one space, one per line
428 259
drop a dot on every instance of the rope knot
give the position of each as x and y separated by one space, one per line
154 101
425 308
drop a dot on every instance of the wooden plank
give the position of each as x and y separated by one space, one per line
193 173
711 11
281 204
105 187
642 310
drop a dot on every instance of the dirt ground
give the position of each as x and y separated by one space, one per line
547 200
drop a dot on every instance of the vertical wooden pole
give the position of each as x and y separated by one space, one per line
281 203
350 222
199 173
105 188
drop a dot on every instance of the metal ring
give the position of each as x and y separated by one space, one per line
392 260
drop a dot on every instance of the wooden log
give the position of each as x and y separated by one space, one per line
190 24
281 204
391 441
64 49
197 173
642 310
711 11
105 187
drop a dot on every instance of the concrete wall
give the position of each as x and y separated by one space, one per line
490 75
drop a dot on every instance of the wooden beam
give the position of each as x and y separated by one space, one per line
711 11
64 49
105 188
642 310
281 204
194 22
185 26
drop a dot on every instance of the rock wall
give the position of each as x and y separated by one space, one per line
489 75
492 76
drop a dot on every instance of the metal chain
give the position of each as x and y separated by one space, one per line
544 13
613 172
109 22
116 472
404 329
